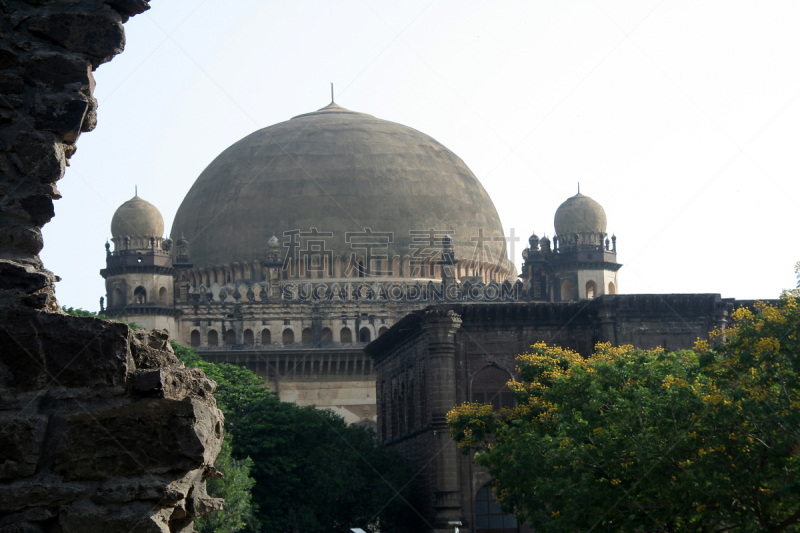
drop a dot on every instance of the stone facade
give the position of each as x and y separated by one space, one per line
304 332
101 428
301 243
441 356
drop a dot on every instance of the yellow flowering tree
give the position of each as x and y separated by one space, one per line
642 440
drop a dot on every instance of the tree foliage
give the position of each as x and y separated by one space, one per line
235 488
77 311
313 472
699 440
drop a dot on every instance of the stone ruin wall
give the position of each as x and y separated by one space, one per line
102 429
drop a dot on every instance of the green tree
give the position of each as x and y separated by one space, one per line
235 487
313 472
642 440
77 311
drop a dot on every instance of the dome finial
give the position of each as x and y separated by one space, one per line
332 101
136 190
579 187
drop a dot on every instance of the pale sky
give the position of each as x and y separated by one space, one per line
679 117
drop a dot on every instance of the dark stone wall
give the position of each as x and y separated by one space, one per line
492 334
48 51
101 428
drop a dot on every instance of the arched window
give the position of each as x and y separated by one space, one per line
489 518
346 336
591 289
118 299
566 290
612 289
266 337
288 336
490 385
195 341
327 336
140 295
230 337
307 336
383 330
248 337
213 338
364 335
162 295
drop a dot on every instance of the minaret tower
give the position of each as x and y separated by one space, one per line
583 260
139 273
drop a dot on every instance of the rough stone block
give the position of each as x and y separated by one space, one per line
8 58
58 71
37 153
20 528
38 207
128 8
20 444
63 113
151 349
174 384
18 496
41 349
150 488
22 238
149 436
134 517
98 34
20 277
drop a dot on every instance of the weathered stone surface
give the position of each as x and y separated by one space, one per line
128 8
151 350
57 71
20 528
20 444
134 517
22 237
150 488
37 152
17 496
174 384
98 34
155 436
8 58
21 277
50 349
101 428
62 113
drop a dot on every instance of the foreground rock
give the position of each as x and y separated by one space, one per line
101 428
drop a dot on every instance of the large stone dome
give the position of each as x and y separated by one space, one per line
580 214
337 171
137 218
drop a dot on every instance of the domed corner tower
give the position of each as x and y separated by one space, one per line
582 262
139 272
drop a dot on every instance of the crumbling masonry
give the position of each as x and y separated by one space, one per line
101 427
